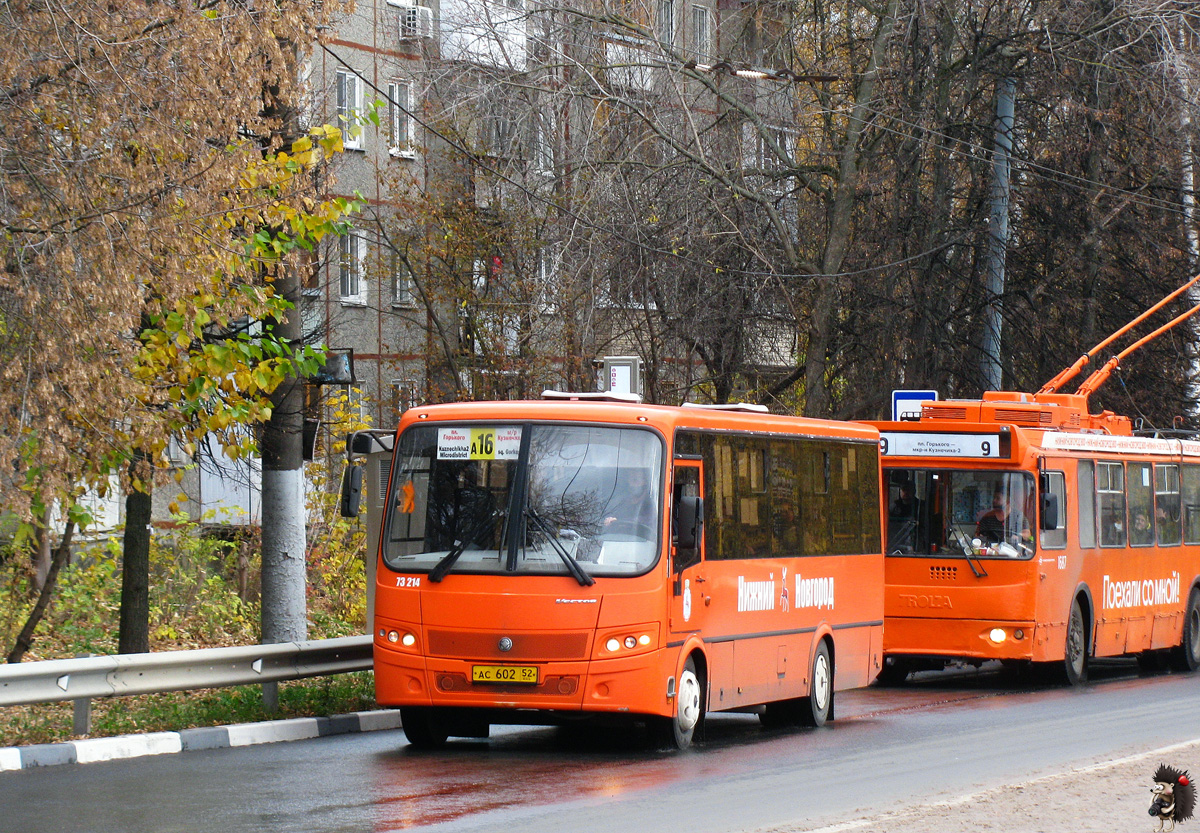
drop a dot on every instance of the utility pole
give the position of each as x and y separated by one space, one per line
284 578
991 369
284 546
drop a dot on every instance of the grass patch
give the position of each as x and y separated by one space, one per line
203 594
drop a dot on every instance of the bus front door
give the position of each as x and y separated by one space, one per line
688 590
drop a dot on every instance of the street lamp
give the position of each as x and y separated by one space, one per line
755 73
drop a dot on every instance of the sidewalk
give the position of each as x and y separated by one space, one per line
91 750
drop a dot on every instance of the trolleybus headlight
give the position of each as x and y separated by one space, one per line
644 639
612 644
997 635
630 642
408 640
392 636
1018 634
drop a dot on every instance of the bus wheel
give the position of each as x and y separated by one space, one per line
423 727
817 708
1187 655
1074 667
677 731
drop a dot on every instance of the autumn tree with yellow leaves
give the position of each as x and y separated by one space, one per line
148 205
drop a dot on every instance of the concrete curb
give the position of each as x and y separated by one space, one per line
91 750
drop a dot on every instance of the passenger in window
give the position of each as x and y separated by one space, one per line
1142 533
1167 516
903 520
1002 524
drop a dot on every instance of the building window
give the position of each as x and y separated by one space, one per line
547 269
541 142
352 250
500 131
400 123
405 394
665 22
701 34
349 106
403 289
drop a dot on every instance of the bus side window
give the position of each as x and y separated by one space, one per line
1110 494
1166 504
1087 504
1054 510
1140 495
1191 505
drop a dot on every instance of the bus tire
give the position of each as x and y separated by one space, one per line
678 730
423 727
1187 655
817 708
1075 650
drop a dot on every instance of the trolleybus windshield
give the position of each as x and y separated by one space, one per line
960 512
525 498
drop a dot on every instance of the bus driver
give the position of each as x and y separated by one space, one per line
1002 523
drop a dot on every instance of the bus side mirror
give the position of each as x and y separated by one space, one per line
1049 510
351 491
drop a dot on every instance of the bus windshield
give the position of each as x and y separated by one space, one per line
956 512
540 499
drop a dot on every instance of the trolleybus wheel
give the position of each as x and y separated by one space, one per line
423 727
677 731
1074 667
817 708
1187 655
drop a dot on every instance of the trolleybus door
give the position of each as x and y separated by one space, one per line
688 587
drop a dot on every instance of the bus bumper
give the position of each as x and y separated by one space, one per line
981 639
635 684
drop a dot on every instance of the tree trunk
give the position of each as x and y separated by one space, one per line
42 556
134 633
25 638
820 330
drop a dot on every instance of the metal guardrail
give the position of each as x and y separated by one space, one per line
51 681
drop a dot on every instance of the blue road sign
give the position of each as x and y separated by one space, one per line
906 404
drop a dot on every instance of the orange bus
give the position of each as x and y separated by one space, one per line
581 557
1022 528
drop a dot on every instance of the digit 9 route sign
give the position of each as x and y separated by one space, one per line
928 444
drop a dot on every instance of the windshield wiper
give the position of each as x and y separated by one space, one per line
572 565
443 567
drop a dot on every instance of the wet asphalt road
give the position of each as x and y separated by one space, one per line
941 736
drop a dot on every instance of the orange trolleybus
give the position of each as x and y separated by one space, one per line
1021 527
579 557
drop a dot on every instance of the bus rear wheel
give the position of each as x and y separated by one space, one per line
678 730
817 708
1187 655
423 726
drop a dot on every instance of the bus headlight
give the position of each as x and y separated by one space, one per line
997 635
634 639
